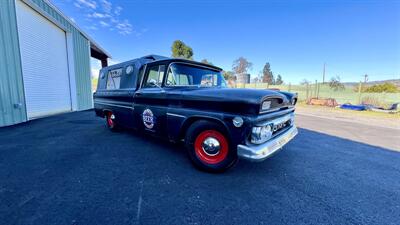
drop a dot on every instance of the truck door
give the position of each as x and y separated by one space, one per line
150 101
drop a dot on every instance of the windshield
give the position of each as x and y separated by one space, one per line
188 75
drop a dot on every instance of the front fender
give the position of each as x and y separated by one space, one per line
179 122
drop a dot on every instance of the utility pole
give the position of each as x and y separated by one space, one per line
365 78
359 93
323 75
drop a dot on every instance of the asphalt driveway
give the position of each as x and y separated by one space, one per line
69 169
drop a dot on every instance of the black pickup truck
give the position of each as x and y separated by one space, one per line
188 101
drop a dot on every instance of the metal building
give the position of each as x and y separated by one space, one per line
44 62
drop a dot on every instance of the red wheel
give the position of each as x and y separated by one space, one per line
110 121
211 147
208 146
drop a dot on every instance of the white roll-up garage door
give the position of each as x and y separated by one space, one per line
44 63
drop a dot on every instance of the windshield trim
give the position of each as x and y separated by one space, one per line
190 64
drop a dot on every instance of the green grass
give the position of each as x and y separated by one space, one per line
348 95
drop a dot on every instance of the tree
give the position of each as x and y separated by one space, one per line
241 65
268 77
305 82
228 75
181 50
335 84
279 80
206 62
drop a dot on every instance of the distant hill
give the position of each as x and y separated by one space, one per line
369 83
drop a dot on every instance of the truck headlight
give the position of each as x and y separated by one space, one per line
261 134
294 101
266 105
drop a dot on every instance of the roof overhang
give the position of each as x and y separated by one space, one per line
97 52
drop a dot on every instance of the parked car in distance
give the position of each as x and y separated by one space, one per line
188 101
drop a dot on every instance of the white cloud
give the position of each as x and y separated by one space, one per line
104 24
95 72
113 61
113 20
118 10
107 6
141 32
86 3
103 14
95 67
98 15
124 27
77 5
93 27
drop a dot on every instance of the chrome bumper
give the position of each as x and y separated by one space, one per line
267 149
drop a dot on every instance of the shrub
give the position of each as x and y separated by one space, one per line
379 88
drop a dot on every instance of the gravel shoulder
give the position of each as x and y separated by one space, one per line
361 117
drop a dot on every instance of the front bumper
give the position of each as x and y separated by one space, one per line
267 149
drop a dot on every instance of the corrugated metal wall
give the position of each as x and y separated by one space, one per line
82 71
12 100
11 84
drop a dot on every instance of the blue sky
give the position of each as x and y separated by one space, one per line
353 38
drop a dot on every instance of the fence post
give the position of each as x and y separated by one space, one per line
315 88
359 93
307 86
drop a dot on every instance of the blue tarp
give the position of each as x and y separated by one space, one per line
354 107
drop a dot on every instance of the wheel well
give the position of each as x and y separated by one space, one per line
105 111
188 122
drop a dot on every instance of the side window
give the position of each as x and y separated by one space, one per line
114 79
184 79
178 79
155 75
170 78
209 80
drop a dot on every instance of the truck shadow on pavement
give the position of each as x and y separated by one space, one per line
69 169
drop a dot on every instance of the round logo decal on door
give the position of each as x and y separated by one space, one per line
148 118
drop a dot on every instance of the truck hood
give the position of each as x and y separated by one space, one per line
233 100
252 96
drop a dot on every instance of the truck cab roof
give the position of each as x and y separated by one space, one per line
130 72
139 62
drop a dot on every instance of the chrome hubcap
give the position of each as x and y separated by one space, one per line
211 146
